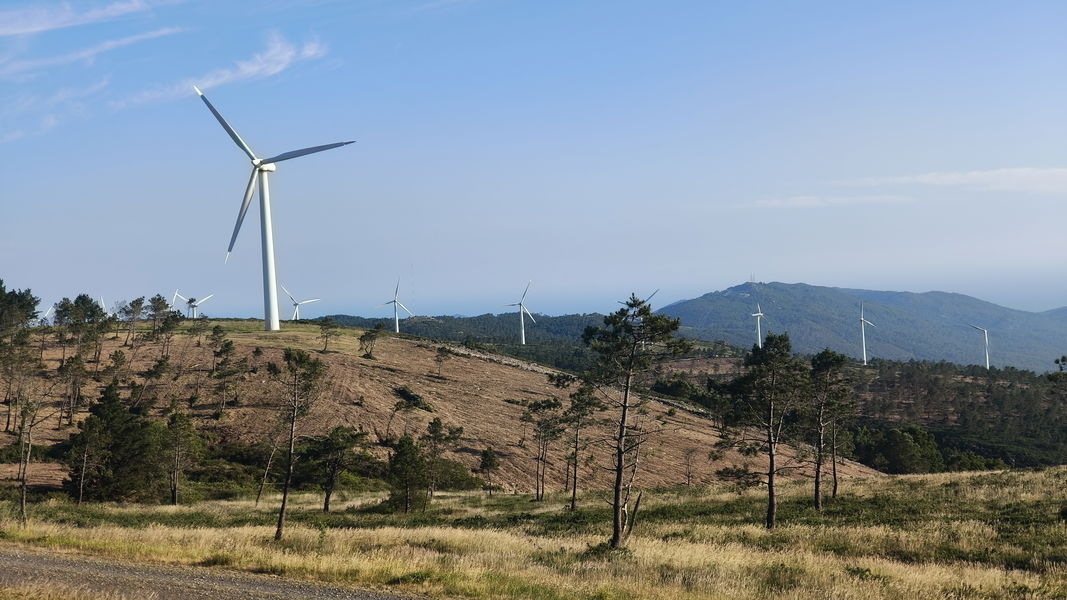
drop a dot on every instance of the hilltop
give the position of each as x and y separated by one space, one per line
933 326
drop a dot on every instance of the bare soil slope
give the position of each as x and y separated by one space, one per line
483 393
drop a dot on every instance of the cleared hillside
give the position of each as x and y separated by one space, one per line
481 392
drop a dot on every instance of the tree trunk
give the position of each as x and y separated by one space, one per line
81 475
328 489
288 472
175 471
25 455
618 508
263 480
833 458
574 466
819 448
772 504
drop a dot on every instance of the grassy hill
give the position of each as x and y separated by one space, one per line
929 326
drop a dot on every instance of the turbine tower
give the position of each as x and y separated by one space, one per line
296 305
396 302
863 333
261 168
191 304
523 309
985 333
759 335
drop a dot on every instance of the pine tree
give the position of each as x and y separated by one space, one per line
631 340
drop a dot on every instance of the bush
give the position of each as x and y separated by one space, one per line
452 475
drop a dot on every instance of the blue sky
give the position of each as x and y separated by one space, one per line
596 148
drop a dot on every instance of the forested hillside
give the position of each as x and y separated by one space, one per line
933 326
554 341
961 413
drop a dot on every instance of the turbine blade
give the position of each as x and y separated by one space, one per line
401 305
528 313
524 292
203 300
309 301
230 130
396 292
302 152
650 296
516 304
249 191
288 294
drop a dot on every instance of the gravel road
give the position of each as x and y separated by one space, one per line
123 579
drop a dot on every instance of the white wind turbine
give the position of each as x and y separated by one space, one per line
261 167
523 309
296 304
48 313
985 333
863 332
759 335
396 302
191 304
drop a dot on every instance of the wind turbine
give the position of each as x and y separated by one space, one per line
396 302
47 313
261 168
985 333
759 315
103 305
296 305
863 332
523 309
191 304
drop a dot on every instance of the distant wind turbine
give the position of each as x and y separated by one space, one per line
191 304
985 333
863 333
296 304
48 313
759 335
396 302
103 305
523 309
261 167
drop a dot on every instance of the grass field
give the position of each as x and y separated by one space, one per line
977 535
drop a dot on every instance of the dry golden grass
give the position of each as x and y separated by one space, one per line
693 543
50 590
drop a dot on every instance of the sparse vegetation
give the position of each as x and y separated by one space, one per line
972 536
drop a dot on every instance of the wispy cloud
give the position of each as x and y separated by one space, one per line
277 57
67 95
1021 179
37 18
829 201
86 55
43 124
433 5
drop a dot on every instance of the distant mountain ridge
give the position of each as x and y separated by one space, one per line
923 326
